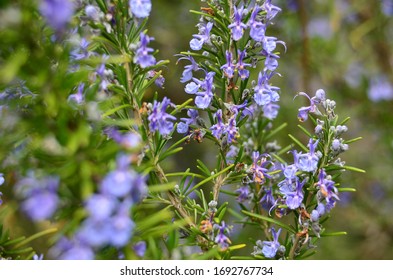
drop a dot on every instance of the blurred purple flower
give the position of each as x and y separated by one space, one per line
271 10
57 13
270 111
140 8
101 206
140 248
221 239
243 194
77 98
40 197
73 250
159 119
263 92
380 89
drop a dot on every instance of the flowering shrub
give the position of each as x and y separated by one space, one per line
85 145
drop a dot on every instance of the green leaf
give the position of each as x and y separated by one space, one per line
346 189
153 220
114 110
210 178
270 220
304 130
346 167
275 131
338 233
35 236
353 140
304 148
162 187
202 167
236 247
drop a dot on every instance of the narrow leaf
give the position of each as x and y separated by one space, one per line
298 143
270 220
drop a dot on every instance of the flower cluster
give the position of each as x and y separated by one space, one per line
39 196
108 221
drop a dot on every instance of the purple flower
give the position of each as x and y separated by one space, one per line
219 128
140 8
142 56
221 239
232 154
237 26
308 162
269 44
294 199
229 67
267 201
124 182
40 197
258 169
314 101
231 130
201 38
265 93
270 248
82 51
57 13
258 29
188 69
38 257
271 10
72 250
380 89
206 87
140 248
270 111
243 194
77 97
128 140
327 190
1 179
241 66
92 12
101 206
94 233
121 230
289 172
182 127
159 119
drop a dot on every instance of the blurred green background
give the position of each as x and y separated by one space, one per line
344 47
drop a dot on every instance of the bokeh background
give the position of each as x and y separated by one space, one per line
346 48
342 46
